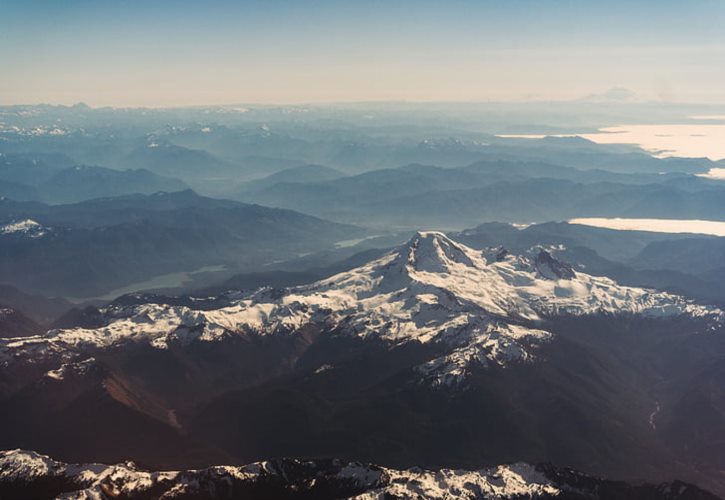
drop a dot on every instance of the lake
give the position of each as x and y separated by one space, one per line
715 228
171 280
691 140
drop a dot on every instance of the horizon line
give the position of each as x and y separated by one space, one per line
269 104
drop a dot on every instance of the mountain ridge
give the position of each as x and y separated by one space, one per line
27 471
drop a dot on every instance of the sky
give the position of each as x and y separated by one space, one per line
176 53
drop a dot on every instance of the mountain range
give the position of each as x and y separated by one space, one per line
29 177
165 158
435 355
31 474
418 195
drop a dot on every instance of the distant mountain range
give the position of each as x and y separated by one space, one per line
243 143
164 158
356 150
26 178
304 174
434 354
418 195
346 171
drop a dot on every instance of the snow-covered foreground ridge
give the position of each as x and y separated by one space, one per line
126 480
483 306
28 472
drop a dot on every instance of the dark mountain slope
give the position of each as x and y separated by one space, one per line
13 323
696 255
37 307
83 411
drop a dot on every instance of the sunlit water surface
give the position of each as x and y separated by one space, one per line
692 140
695 226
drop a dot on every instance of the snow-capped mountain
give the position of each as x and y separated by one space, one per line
479 304
33 473
484 307
434 354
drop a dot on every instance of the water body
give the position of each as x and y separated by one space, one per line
171 280
714 228
714 173
356 241
691 140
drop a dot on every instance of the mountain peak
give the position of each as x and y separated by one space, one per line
433 251
551 268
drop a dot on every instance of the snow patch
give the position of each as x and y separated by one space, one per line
518 480
27 227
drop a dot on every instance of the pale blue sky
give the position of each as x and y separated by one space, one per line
162 53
